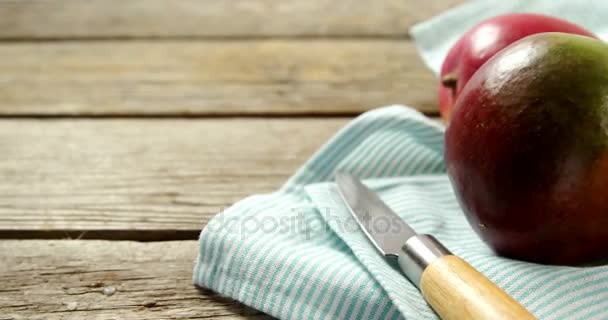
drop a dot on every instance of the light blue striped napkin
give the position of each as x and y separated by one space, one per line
297 254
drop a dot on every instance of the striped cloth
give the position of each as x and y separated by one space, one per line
296 253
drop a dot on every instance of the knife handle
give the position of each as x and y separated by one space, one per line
453 288
456 290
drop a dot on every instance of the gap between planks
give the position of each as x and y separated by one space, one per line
193 117
141 235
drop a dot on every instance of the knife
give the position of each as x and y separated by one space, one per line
452 287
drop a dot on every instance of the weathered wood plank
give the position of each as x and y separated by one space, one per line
212 18
212 77
143 174
66 280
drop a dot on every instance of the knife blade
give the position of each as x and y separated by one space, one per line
384 228
452 287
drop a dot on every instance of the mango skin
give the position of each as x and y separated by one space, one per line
527 150
486 39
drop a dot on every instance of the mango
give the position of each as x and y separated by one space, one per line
527 150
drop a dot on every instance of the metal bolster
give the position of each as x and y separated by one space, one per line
417 253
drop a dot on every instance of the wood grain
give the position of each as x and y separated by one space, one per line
457 291
212 77
66 280
157 174
143 174
35 19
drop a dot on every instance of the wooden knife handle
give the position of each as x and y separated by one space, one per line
457 291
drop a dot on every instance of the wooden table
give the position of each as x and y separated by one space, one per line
126 125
